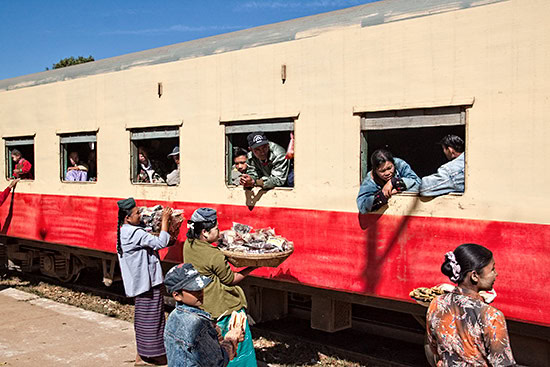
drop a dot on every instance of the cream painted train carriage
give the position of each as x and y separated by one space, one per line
395 73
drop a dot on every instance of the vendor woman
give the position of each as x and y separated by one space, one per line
142 277
222 296
462 329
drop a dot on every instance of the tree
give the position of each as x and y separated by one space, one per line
68 61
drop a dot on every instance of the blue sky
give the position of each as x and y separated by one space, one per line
34 34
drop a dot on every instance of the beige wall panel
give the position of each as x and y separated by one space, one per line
497 54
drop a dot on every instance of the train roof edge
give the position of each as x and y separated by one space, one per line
366 15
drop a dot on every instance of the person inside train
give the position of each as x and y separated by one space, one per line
23 168
222 296
139 261
76 170
173 178
388 176
267 166
450 176
92 166
191 337
239 165
4 195
462 329
149 170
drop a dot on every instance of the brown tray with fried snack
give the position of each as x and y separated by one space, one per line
271 260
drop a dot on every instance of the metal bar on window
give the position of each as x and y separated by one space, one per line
78 139
159 134
265 127
15 142
399 122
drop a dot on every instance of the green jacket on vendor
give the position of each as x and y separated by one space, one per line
220 297
273 172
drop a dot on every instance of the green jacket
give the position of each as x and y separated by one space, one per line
220 297
275 172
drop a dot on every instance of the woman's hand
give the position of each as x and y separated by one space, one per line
13 183
388 189
166 215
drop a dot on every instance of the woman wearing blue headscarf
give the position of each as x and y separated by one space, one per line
222 296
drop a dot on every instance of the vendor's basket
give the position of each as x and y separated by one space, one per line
271 260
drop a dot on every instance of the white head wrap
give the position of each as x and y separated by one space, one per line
454 265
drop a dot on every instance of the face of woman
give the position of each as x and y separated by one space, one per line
213 235
134 217
142 158
385 171
487 276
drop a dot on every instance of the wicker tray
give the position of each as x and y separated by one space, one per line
272 260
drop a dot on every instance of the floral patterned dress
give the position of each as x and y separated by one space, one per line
463 330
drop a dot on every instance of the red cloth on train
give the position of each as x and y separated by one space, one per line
4 195
25 167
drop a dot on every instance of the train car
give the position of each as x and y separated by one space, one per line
395 73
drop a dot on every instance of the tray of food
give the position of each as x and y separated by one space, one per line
424 295
244 247
151 218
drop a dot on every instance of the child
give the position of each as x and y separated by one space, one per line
142 276
190 337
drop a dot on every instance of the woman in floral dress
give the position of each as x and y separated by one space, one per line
462 329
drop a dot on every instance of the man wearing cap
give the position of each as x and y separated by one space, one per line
450 176
190 336
267 166
173 178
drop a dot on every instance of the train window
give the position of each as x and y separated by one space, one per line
155 156
78 157
411 135
277 130
20 157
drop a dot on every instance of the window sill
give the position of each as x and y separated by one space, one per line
79 182
281 188
153 184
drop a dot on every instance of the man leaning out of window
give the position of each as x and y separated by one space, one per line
267 166
450 176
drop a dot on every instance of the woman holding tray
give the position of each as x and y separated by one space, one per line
142 277
222 296
463 330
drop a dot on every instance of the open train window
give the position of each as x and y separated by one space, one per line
155 156
20 157
277 130
412 135
78 157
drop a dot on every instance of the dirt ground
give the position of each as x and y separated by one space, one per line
271 350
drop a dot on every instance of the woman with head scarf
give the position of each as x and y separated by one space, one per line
222 296
142 277
462 329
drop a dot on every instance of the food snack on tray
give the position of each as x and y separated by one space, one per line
237 320
151 219
424 295
240 238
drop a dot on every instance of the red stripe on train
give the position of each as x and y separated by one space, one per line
381 255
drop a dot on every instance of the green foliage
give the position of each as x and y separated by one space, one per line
71 61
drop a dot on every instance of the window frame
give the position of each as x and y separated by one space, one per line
407 118
16 141
71 138
150 133
266 125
